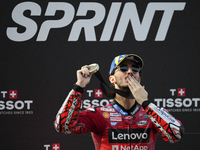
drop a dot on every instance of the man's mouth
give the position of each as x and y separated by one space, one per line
128 76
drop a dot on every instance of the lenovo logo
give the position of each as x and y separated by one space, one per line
126 136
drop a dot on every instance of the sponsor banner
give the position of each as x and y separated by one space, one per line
10 104
179 101
71 19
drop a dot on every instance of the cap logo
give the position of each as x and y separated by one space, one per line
117 60
130 57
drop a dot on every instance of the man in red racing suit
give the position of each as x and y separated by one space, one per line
114 127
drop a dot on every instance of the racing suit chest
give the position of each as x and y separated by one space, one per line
126 131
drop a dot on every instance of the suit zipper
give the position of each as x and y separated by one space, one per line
130 135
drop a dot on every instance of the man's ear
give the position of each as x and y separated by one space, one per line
112 79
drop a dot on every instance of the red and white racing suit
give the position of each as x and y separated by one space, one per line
114 128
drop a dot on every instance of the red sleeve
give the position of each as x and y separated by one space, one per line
170 128
67 118
70 121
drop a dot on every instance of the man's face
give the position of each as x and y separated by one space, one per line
119 78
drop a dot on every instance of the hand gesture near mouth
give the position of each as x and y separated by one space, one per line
137 90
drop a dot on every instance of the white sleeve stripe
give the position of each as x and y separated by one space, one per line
63 105
164 115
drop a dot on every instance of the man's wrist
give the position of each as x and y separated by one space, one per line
145 104
78 88
81 84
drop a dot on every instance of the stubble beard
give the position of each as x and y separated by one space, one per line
124 87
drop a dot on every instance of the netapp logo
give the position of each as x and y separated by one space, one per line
128 16
123 135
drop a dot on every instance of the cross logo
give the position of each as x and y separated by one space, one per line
12 94
181 92
98 93
56 146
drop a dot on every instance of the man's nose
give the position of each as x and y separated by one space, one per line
130 71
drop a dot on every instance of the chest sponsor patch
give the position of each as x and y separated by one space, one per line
108 109
115 114
113 123
106 115
142 123
115 119
129 135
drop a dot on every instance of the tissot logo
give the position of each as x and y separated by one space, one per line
55 146
178 102
94 98
10 104
123 135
